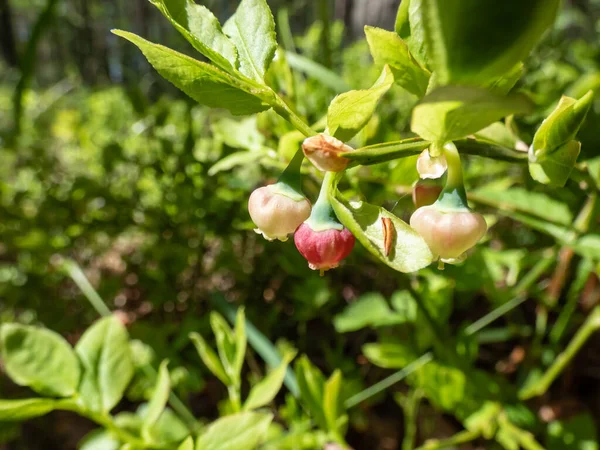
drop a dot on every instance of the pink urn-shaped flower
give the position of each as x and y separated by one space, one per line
322 239
323 249
449 226
449 234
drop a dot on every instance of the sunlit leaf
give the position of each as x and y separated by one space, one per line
201 28
40 359
107 364
252 29
349 112
453 112
201 81
408 252
387 48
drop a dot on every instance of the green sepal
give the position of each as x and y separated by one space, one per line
290 181
452 200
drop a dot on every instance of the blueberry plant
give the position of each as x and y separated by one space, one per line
462 60
436 54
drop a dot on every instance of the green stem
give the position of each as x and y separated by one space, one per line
459 438
285 32
410 406
520 290
591 325
322 216
535 272
440 341
493 315
453 196
390 151
389 381
586 214
559 328
77 275
454 177
281 108
234 397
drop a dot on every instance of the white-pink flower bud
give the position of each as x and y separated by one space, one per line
429 167
448 234
325 152
276 214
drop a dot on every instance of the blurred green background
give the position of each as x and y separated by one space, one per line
105 163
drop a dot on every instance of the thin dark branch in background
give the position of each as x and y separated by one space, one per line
28 63
7 35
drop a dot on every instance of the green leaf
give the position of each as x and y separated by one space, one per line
240 341
239 133
588 246
416 40
556 167
312 384
252 29
558 232
387 48
105 357
244 431
390 355
349 112
99 440
470 41
259 342
40 359
226 345
188 444
265 391
17 410
204 83
210 358
561 126
408 252
498 133
519 199
369 310
453 112
202 29
312 69
168 429
402 24
504 84
484 419
158 402
576 433
332 401
236 159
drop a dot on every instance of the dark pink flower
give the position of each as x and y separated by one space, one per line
323 249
